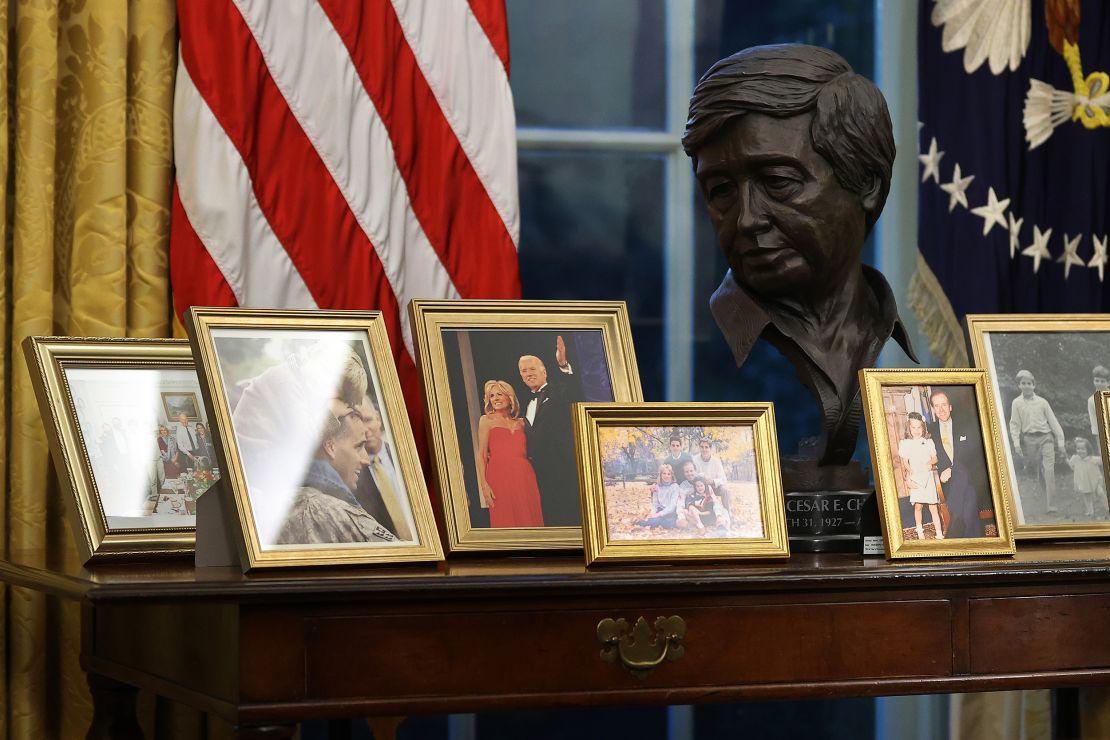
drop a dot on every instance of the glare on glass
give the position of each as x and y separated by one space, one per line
305 413
150 460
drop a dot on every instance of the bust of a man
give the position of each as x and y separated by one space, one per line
793 153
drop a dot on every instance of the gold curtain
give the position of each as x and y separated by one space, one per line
88 155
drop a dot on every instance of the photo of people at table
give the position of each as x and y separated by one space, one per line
512 392
941 474
149 464
1045 387
667 483
315 445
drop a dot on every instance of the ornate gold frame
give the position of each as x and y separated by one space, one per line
47 360
978 327
589 417
200 323
872 382
429 319
1103 405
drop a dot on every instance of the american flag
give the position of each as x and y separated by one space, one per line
344 155
1014 186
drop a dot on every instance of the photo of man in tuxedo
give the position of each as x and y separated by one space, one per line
961 463
550 438
549 369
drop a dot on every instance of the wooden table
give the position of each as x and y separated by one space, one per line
509 633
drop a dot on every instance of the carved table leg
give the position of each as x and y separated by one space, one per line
113 710
265 732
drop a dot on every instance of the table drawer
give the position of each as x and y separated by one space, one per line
1039 633
537 652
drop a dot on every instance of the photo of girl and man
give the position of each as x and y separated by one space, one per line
936 442
668 483
512 392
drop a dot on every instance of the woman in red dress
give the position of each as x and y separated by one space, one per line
506 480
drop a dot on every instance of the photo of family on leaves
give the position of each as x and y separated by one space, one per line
1045 386
671 483
512 393
941 473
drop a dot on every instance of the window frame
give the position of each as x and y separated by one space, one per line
678 191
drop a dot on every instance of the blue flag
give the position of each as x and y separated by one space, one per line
1014 112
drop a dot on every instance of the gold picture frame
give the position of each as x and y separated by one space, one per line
1102 399
1003 345
86 389
960 482
730 510
295 395
459 343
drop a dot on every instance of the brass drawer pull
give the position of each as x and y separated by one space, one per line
643 647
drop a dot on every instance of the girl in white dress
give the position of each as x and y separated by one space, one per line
919 455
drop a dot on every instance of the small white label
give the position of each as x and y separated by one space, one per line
873 546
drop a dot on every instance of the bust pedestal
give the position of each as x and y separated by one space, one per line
829 508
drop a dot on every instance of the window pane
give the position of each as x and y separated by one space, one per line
588 64
845 26
592 229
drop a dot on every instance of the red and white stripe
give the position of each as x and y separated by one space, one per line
340 154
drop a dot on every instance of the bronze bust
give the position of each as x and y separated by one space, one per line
793 153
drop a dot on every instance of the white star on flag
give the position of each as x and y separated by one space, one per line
956 188
991 213
1015 233
1099 260
1071 254
1038 250
931 160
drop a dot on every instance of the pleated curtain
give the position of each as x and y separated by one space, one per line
86 141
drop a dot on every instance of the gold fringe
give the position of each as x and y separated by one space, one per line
937 319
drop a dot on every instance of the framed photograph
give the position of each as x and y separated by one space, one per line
1045 370
500 379
1102 404
177 405
130 470
940 476
319 456
680 481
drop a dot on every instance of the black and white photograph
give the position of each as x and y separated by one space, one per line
512 392
1045 384
316 449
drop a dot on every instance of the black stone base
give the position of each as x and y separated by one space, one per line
828 508
830 521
